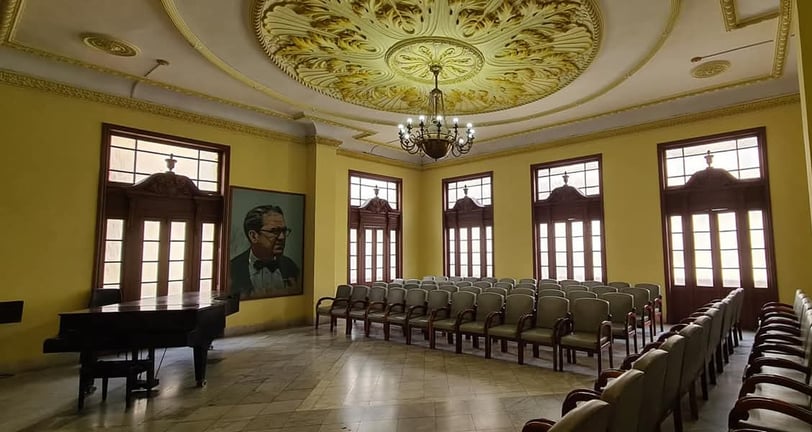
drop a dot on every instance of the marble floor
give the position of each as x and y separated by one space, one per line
305 380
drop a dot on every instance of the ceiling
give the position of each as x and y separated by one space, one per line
524 72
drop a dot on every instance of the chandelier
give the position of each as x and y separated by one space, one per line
431 136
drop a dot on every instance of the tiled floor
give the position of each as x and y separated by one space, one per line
302 380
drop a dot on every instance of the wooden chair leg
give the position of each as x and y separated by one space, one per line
475 340
348 329
611 356
627 345
104 388
635 342
536 352
487 347
600 360
459 342
432 336
520 353
703 384
504 346
692 401
450 336
677 414
386 331
407 333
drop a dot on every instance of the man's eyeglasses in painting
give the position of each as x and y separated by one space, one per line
275 232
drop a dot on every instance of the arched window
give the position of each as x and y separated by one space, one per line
374 228
717 223
160 214
468 225
568 220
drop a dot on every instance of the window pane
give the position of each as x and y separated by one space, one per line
112 273
176 270
207 250
206 269
760 278
704 277
152 230
730 278
679 276
208 232
112 250
177 250
701 222
756 219
175 288
149 290
178 230
150 251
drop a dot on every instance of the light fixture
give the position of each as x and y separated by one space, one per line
431 136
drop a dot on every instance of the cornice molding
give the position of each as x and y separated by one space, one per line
9 11
731 18
782 37
379 159
325 141
25 81
690 118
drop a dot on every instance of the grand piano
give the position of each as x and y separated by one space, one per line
190 319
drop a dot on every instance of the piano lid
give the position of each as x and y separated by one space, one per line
185 301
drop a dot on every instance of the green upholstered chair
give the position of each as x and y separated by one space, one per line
501 291
579 294
525 291
571 288
506 285
528 281
693 364
377 312
411 286
379 284
619 284
486 303
492 280
325 305
506 325
656 301
483 284
437 300
449 320
674 345
624 394
471 289
449 288
360 309
643 309
511 281
551 293
550 285
588 328
653 364
624 320
357 301
413 306
550 311
547 280
463 283
591 416
602 289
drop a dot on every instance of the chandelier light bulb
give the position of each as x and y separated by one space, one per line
409 120
422 118
456 120
439 118
469 125
400 127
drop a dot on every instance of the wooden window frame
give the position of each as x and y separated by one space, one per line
465 214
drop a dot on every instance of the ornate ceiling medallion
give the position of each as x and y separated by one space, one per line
710 69
378 53
109 44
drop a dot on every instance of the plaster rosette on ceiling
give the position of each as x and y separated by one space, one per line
377 53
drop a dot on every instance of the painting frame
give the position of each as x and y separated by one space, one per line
257 266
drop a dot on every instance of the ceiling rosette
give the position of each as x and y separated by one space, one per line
378 53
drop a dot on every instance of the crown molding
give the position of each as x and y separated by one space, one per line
379 159
731 18
26 81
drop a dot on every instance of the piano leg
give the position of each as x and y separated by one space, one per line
200 354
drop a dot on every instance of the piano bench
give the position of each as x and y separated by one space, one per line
105 369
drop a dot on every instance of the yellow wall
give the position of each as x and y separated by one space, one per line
634 244
50 168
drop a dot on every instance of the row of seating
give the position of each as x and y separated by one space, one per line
571 321
775 393
651 385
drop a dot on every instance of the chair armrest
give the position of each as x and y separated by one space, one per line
493 315
741 410
759 350
756 364
605 376
413 311
631 320
538 425
324 299
749 385
775 303
777 338
666 335
631 358
461 316
605 327
435 312
363 303
687 320
676 328
376 303
389 308
575 396
778 327
648 309
562 327
523 322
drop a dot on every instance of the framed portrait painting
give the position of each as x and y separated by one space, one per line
266 243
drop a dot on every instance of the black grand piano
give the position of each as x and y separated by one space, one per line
190 319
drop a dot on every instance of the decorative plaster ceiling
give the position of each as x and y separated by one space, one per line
493 56
525 72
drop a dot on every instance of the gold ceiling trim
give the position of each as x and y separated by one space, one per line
751 106
109 45
11 13
369 157
378 54
782 37
26 81
731 18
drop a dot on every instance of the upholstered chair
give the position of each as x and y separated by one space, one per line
357 301
338 301
413 306
579 294
449 288
360 310
541 281
528 281
492 280
411 281
591 283
506 285
483 284
568 282
525 291
624 394
497 290
602 289
550 285
675 346
591 416
471 289
463 283
656 301
511 281
588 328
411 286
571 288
486 303
527 285
550 311
693 365
507 325
378 311
379 284
437 300
619 284
624 319
653 364
448 320
551 293
643 309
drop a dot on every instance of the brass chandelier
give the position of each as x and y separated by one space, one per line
431 136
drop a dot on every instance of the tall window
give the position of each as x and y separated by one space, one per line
160 215
717 220
568 220
374 228
468 225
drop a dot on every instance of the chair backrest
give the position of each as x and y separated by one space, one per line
575 295
695 345
528 280
449 288
517 305
396 295
619 284
437 299
343 291
588 314
496 290
652 288
395 285
411 281
104 296
675 346
426 283
488 302
508 280
492 280
620 304
654 364
715 329
602 289
377 294
428 278
550 309
531 286
568 288
429 287
380 283
483 284
461 301
416 297
441 278
471 289
550 285
463 283
506 285
566 282
551 293
625 394
525 291
591 283
541 281
411 286
641 298
359 292
591 416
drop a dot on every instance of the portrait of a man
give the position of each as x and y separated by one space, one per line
264 265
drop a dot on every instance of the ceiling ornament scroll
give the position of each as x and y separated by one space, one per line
377 53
